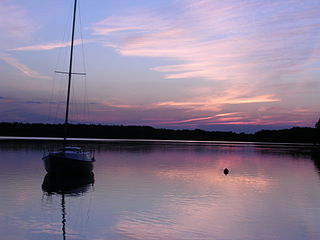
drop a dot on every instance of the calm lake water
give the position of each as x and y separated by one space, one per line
164 190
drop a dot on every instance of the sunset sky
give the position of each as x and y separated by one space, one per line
238 65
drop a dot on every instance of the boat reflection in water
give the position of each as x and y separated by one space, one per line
67 185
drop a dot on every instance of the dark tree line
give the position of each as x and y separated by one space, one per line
317 137
318 125
296 134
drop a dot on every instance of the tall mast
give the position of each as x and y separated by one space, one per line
70 74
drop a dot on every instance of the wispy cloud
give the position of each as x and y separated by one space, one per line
229 40
48 46
215 103
223 62
226 114
192 120
15 24
247 48
21 67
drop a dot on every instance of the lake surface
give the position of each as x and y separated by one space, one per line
164 190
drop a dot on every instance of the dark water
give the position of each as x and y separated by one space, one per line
164 190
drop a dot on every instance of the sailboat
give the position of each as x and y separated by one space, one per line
69 159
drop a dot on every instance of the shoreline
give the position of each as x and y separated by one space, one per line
177 141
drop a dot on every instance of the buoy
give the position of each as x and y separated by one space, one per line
226 171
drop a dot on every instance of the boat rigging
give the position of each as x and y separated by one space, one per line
69 160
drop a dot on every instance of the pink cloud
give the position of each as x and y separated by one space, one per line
21 67
48 46
166 122
222 38
215 104
14 22
227 114
219 41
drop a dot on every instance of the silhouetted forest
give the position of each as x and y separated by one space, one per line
292 135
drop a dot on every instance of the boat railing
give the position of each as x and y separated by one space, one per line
79 150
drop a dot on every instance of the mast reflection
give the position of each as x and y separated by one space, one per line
73 186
